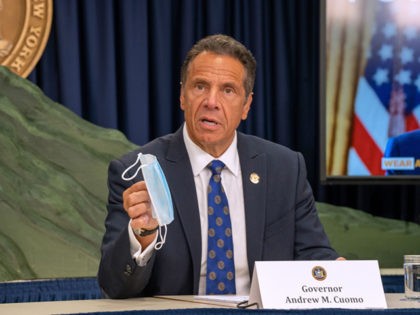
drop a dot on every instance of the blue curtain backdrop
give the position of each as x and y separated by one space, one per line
116 64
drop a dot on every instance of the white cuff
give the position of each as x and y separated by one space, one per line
139 255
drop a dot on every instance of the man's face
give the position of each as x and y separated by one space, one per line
213 100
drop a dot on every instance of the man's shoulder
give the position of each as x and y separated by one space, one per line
260 145
157 147
409 137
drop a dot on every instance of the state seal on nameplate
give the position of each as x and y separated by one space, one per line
319 273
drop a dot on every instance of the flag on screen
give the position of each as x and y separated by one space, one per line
387 100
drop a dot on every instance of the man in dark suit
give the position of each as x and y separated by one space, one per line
405 145
271 204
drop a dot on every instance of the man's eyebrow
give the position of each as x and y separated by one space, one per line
204 80
231 84
199 79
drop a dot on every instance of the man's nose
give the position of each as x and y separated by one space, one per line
212 99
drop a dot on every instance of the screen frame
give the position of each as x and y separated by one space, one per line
326 179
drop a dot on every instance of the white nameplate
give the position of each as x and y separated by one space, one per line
317 284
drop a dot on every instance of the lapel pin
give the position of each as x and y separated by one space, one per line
254 178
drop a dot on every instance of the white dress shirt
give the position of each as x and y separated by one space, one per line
232 184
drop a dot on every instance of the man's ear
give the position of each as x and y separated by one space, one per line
247 106
181 97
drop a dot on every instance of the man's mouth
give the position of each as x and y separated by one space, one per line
209 122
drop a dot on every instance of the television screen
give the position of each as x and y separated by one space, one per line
370 94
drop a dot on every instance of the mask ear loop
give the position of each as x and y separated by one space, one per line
130 167
162 237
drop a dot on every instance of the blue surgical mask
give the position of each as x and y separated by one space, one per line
157 186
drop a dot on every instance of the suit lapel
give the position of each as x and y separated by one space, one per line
184 196
254 180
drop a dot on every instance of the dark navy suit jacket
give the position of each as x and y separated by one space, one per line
404 145
281 218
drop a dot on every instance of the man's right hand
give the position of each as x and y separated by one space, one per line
137 204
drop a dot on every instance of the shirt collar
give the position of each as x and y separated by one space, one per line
200 159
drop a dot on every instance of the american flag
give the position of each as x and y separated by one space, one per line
387 100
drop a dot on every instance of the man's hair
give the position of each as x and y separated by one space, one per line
223 45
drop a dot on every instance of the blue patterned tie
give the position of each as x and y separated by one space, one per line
220 263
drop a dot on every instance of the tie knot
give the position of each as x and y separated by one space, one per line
216 167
